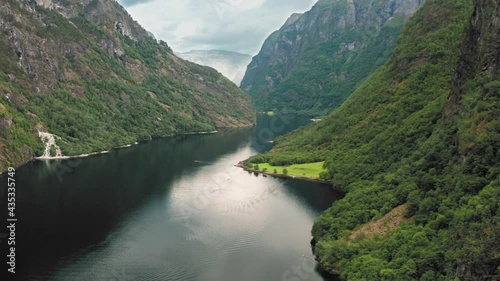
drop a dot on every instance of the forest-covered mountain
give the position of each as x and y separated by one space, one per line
421 136
230 64
88 73
317 59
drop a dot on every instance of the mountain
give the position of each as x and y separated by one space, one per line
230 64
317 59
415 148
89 74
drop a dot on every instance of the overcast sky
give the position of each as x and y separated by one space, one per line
233 25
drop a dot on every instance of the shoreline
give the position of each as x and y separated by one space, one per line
277 175
118 147
84 155
302 178
199 133
41 158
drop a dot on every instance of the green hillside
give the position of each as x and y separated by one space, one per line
317 59
423 132
88 73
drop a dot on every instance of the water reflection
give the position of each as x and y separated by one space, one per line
170 209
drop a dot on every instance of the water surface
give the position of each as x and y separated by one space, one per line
172 209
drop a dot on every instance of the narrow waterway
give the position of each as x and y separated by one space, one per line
172 209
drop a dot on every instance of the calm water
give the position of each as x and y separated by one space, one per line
171 209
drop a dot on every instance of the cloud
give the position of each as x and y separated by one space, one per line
234 25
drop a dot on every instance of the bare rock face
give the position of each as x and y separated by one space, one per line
481 45
316 59
47 4
5 124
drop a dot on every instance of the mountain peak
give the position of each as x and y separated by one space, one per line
292 19
215 52
230 64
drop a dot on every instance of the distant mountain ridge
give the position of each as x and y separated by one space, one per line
231 64
316 59
86 72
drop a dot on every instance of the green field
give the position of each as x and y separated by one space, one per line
311 170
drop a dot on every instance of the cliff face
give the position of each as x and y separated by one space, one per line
86 72
473 109
315 60
482 39
480 49
31 28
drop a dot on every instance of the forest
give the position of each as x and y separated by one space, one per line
421 132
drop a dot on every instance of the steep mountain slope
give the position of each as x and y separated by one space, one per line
317 59
421 133
86 72
230 64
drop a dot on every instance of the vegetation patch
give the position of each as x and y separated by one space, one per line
311 170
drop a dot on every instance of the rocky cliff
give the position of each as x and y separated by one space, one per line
89 74
315 60
473 110
480 49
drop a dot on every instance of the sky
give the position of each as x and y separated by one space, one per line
232 25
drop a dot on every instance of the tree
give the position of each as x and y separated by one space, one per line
256 167
285 171
53 151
